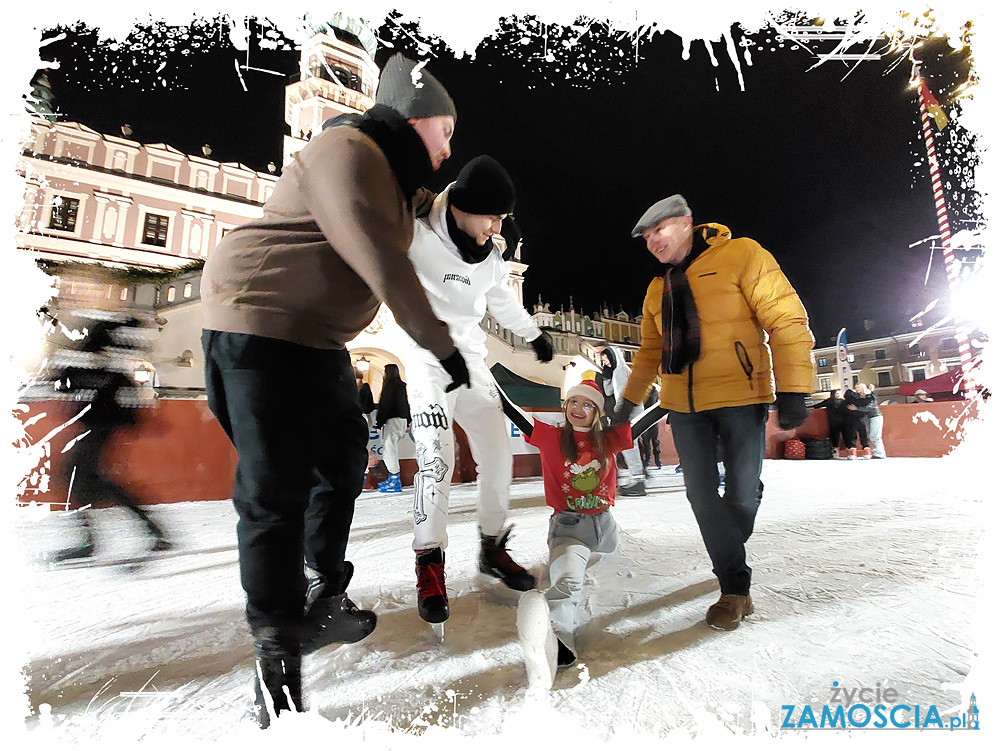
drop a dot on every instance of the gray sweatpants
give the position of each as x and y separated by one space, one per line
392 433
573 538
874 426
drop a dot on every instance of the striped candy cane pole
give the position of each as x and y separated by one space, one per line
950 264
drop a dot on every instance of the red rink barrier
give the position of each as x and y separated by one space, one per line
178 452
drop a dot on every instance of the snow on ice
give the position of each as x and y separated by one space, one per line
864 573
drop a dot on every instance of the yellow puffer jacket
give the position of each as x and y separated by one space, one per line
748 314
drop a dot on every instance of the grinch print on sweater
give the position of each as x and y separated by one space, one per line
585 480
579 484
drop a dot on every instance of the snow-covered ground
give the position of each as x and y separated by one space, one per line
864 573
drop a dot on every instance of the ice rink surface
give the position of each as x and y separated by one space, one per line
864 573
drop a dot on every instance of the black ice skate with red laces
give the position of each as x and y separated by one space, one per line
432 597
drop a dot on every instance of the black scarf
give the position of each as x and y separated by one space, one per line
396 138
679 315
467 248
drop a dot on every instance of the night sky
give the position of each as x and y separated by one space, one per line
827 172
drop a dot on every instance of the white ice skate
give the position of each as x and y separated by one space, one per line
538 640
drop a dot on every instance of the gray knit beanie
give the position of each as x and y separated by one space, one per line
668 208
411 90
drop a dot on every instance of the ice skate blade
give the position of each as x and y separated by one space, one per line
438 629
131 563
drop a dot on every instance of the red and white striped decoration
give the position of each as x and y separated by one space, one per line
950 264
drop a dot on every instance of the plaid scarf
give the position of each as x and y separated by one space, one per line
681 332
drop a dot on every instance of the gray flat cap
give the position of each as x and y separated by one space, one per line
411 90
668 208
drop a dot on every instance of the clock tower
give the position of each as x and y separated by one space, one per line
337 75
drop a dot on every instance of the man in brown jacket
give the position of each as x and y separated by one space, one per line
282 296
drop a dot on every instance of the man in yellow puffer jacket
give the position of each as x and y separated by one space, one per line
728 335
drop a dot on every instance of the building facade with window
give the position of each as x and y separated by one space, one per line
888 362
118 224
91 197
153 213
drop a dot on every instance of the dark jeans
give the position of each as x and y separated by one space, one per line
90 484
293 415
726 521
858 423
649 446
848 432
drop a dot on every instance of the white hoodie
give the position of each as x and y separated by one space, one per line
619 376
460 293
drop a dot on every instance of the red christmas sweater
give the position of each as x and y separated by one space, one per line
579 486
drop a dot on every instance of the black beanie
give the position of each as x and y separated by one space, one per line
420 98
483 187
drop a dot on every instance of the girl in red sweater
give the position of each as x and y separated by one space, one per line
579 474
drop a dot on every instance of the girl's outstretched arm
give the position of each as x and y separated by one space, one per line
514 413
647 419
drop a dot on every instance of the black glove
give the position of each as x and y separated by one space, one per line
454 365
543 347
512 235
791 408
623 409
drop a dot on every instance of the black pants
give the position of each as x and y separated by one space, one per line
293 415
726 522
861 430
842 433
90 484
649 446
848 432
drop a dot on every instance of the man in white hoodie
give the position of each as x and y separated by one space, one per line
460 257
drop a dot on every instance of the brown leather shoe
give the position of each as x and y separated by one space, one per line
727 613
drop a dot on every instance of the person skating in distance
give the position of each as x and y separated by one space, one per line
615 373
391 419
98 375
